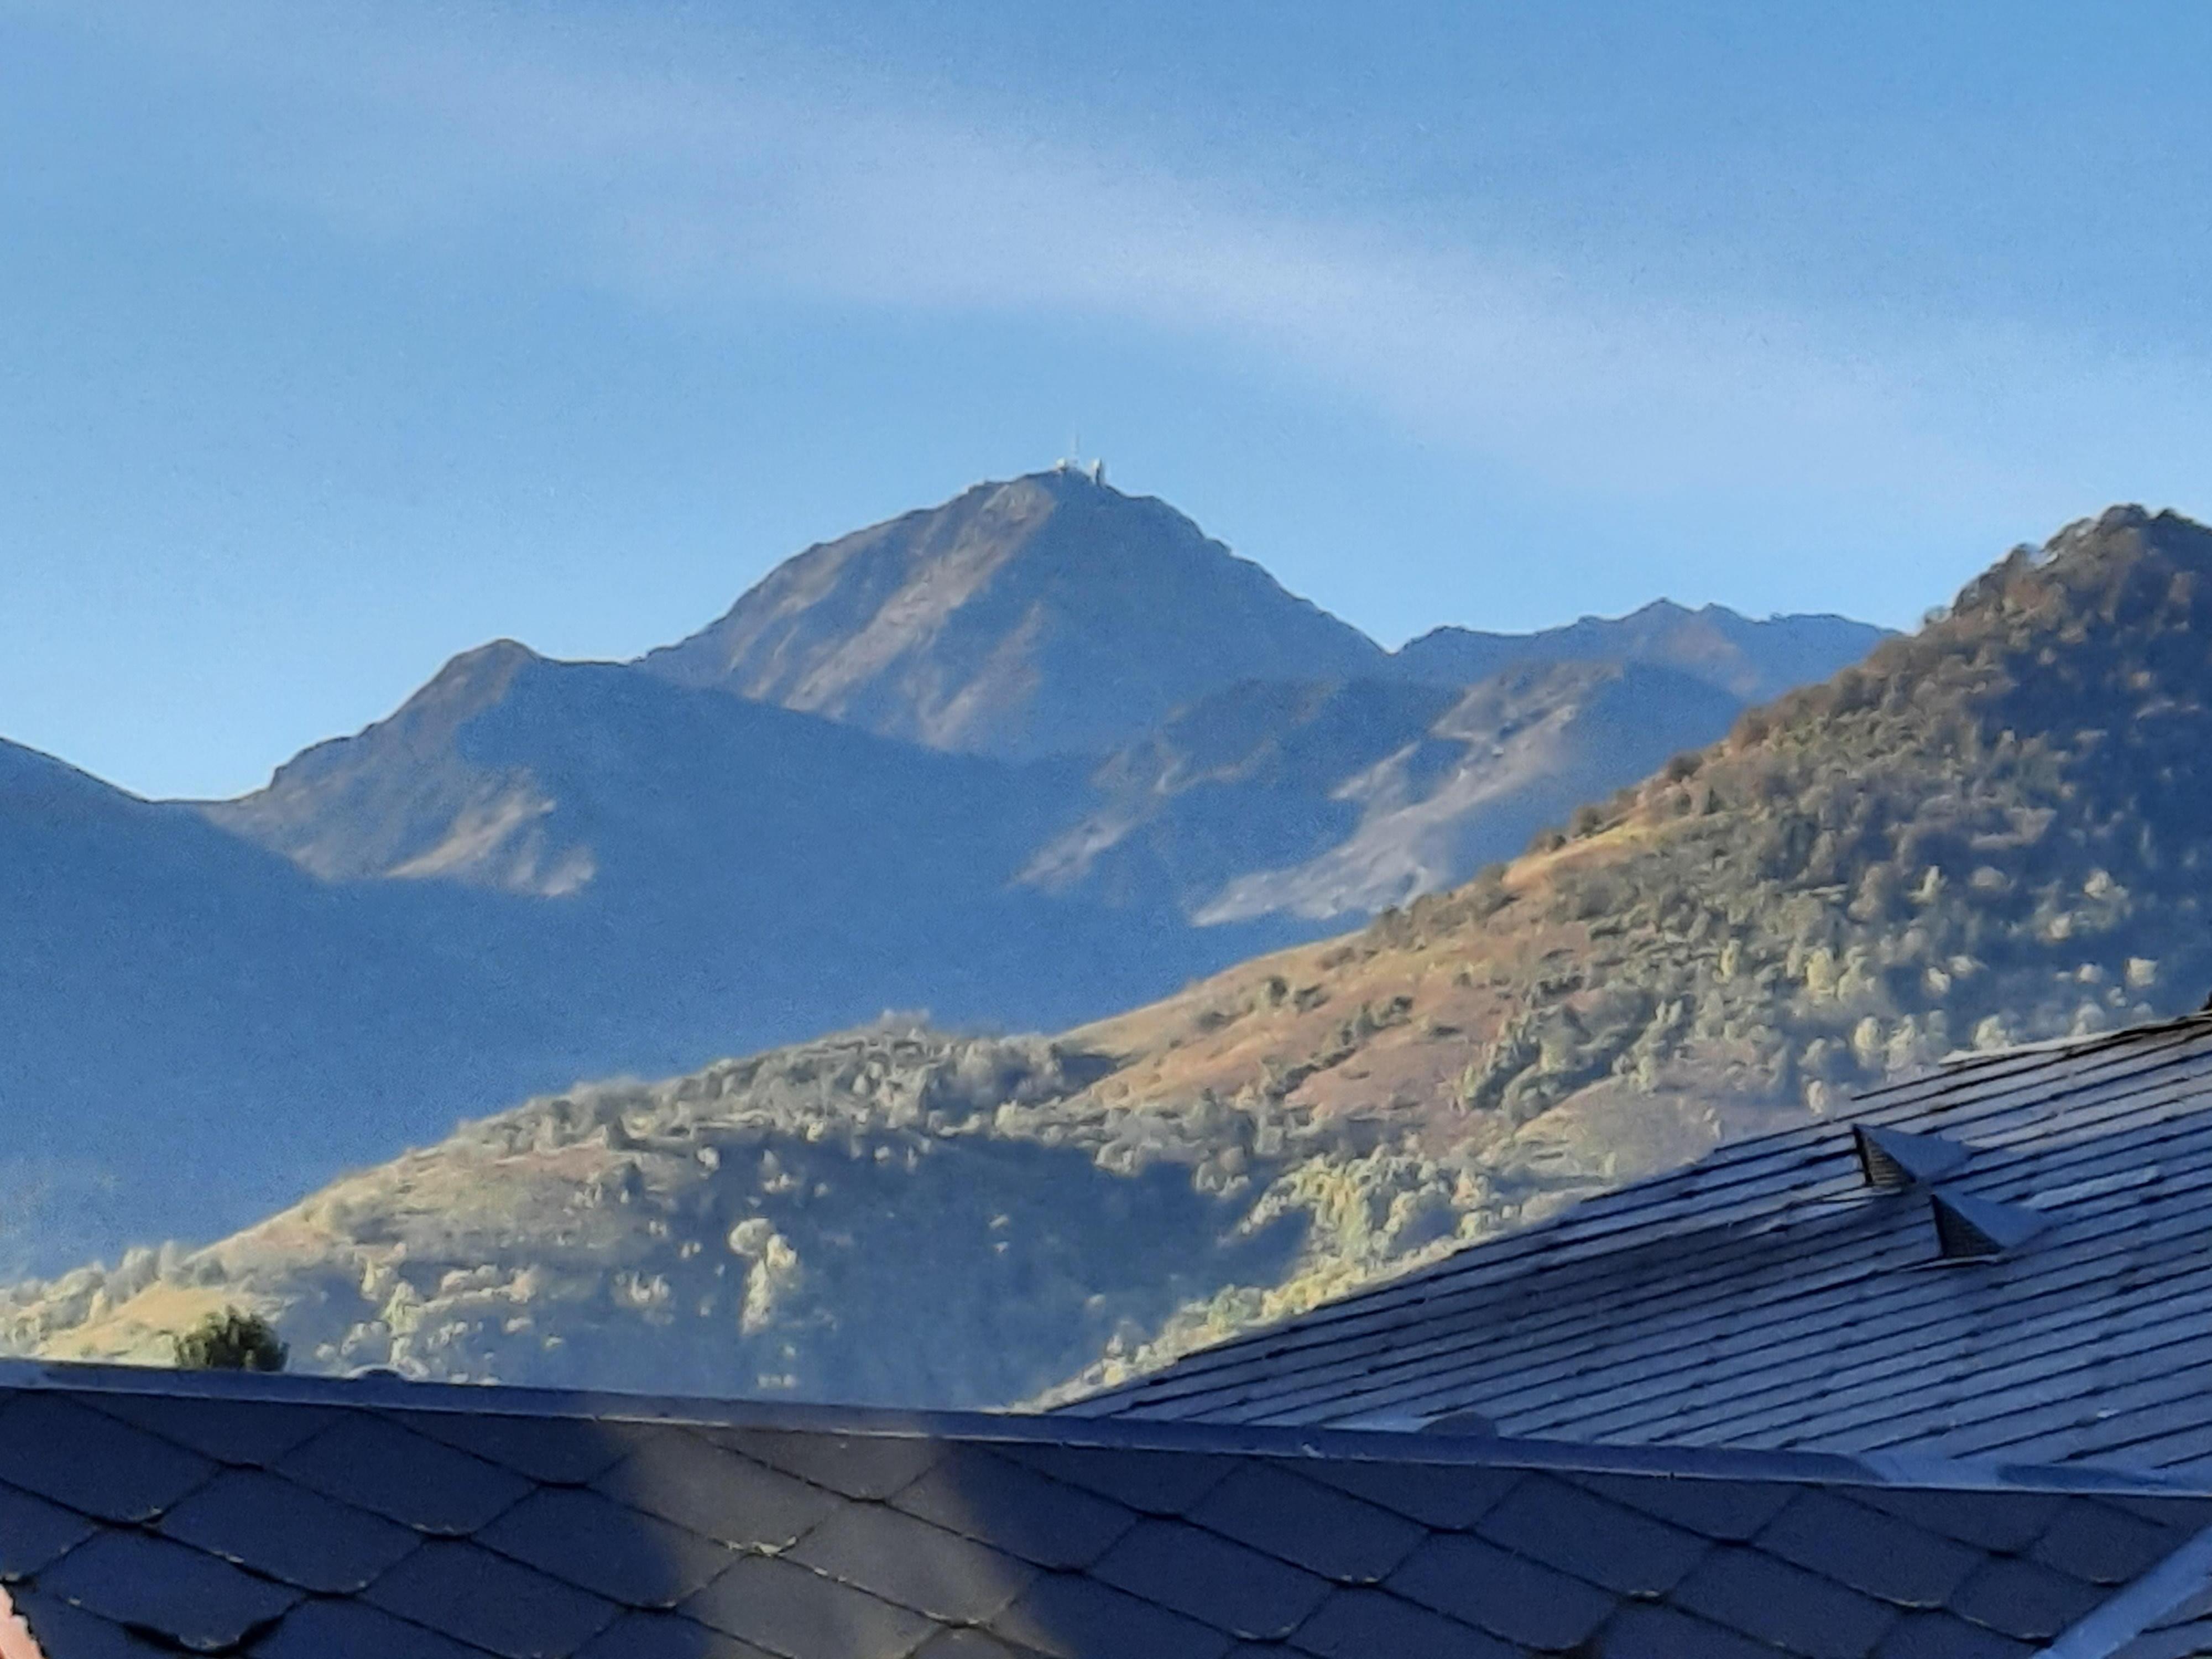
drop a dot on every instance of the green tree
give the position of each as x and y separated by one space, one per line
230 1341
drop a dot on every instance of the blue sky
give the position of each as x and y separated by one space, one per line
335 340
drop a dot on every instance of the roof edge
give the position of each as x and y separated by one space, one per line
1966 1060
2127 1615
1129 1434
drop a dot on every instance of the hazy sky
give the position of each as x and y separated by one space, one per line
335 340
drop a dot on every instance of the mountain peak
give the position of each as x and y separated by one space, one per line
466 685
475 677
1050 613
2127 566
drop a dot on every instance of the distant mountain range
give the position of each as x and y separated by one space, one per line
1752 661
1053 615
1034 755
1992 832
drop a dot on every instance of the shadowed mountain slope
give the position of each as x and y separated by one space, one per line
192 1023
1049 615
707 871
585 870
1995 829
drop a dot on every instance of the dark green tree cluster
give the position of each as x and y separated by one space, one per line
229 1341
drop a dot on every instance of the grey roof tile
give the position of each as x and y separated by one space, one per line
2103 1544
914 1563
81 1458
979 1494
2188 1514
363 1460
1732 1511
795 1610
1152 1482
858 1465
64 1631
2020 1598
2168 1644
681 1478
498 1605
1211 1580
33 1532
2005 1520
1883 1555
1451 1498
2189 1451
253 1435
2195 1606
1760 1596
1069 1616
1645 1632
1360 1624
1547 1520
559 1451
1599 1551
666 1636
354 1630
1307 1523
1940 1635
1765 1297
582 1538
195 1600
287 1532
2176 1642
1506 1595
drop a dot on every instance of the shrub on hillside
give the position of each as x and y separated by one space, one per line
229 1341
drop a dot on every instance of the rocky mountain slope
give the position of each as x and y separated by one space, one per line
1332 801
1049 615
1993 830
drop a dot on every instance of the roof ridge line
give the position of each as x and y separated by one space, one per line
384 1393
2124 1616
1958 1062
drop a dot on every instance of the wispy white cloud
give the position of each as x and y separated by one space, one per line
704 174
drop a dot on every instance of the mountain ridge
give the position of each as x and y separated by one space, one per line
1045 614
1993 830
533 870
1752 659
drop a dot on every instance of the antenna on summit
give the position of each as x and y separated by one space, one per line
1073 462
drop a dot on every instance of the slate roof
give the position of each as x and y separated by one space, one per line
146 1512
1769 1297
